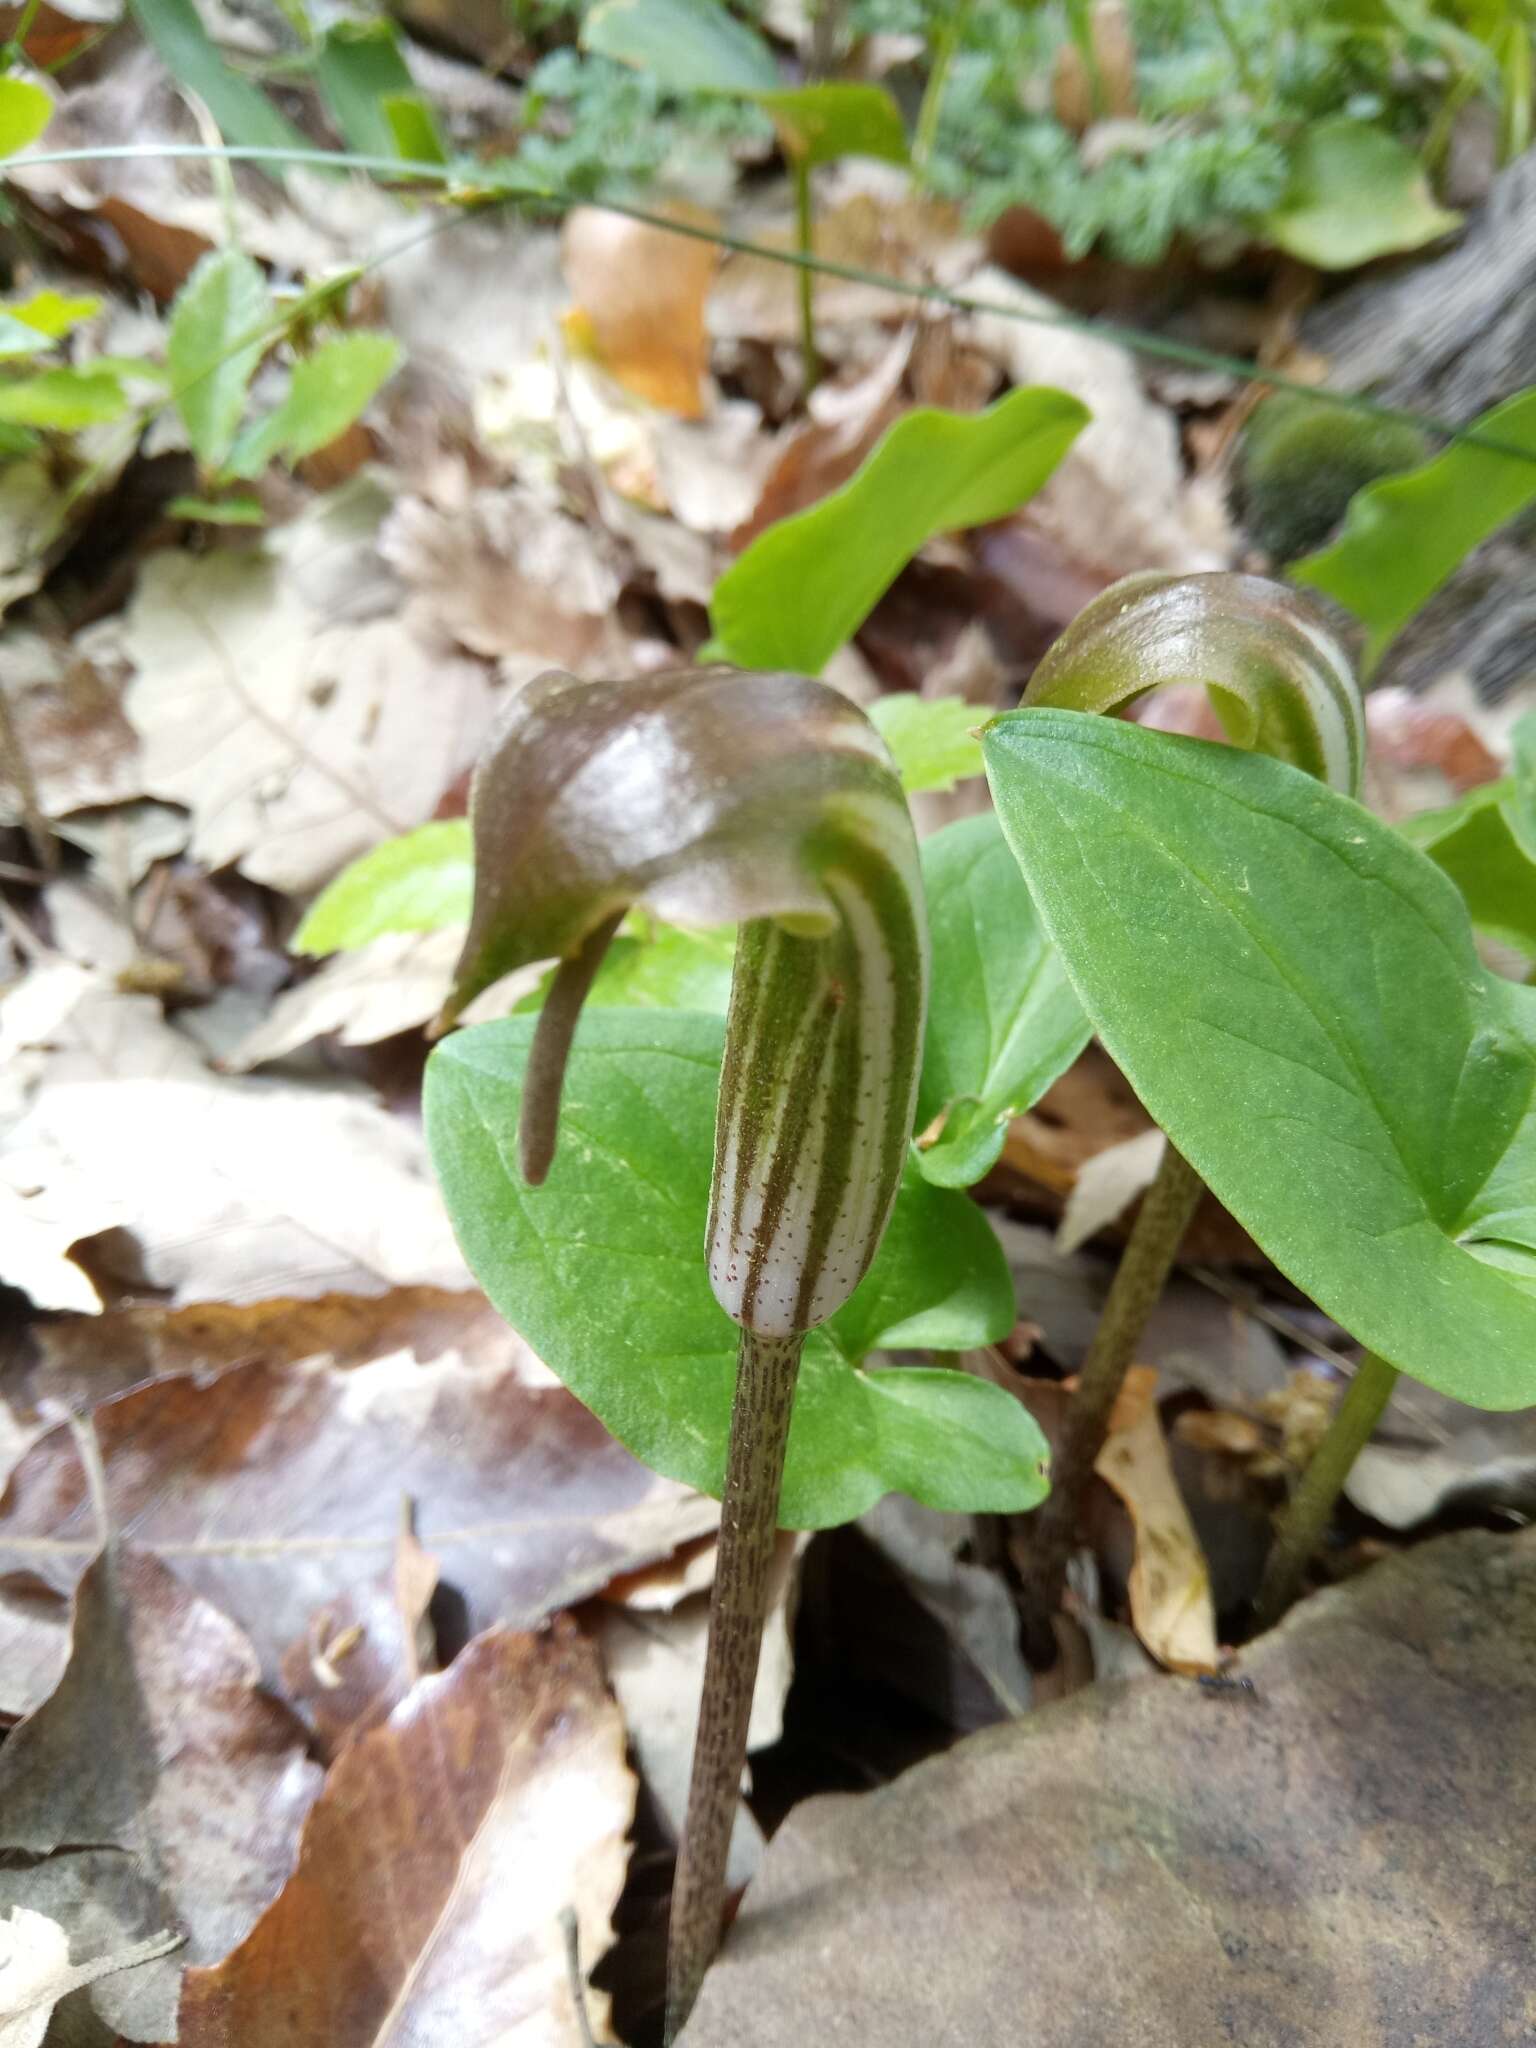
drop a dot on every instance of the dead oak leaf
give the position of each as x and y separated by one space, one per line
274 1489
284 701
157 1741
426 1902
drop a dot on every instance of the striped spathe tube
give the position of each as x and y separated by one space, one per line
714 796
1279 682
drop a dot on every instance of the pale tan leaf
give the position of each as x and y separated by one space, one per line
1106 1185
286 703
35 1972
494 1797
640 295
1170 1586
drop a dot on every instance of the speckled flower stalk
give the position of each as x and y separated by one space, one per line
765 799
1280 685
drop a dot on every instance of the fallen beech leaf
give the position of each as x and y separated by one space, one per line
192 1188
361 1654
1107 1184
1170 1585
1145 1864
431 1878
640 296
393 983
279 695
508 575
157 1741
274 1490
35 1972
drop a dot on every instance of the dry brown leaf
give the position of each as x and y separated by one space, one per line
158 1742
394 983
274 1488
640 295
1119 501
234 1190
36 1972
1170 1583
1082 95
887 229
509 575
361 1654
494 1797
655 1664
1422 754
284 701
1340 1860
69 720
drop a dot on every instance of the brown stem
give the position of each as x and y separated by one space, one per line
1164 1216
540 1118
749 1517
1310 1508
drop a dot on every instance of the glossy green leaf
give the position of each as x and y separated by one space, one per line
689 45
62 399
932 739
412 123
808 583
1487 845
25 111
1404 537
417 883
220 325
361 72
328 391
242 111
601 1270
1003 1019
1355 193
1293 992
52 313
820 123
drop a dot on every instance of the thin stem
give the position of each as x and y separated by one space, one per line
749 1516
805 242
925 135
1150 1250
1310 1507
1238 54
540 1118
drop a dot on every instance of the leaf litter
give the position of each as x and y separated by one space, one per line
321 1594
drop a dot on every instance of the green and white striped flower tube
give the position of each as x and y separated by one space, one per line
1278 680
717 796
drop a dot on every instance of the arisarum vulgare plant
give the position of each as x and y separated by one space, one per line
1293 991
1281 686
765 799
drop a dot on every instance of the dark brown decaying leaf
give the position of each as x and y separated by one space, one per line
1341 1857
159 1742
273 1489
362 1653
426 1903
